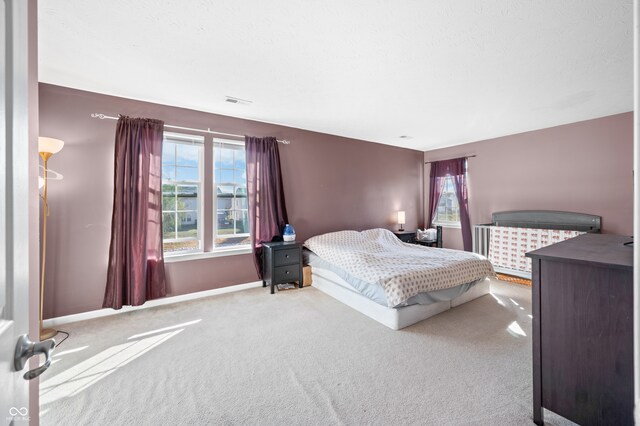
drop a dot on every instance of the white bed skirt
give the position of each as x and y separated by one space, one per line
394 318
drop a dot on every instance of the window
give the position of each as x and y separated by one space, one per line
230 185
181 193
448 210
199 216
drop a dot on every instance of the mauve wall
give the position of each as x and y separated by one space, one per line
584 167
331 183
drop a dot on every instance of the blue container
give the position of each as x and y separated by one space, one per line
289 233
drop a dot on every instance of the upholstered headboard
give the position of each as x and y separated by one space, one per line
547 219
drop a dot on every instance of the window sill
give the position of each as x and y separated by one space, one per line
448 225
207 255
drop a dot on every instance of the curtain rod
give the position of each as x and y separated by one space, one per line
107 117
468 156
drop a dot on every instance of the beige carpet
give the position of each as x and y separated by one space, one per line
299 358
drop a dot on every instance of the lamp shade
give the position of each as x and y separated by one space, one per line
401 218
49 145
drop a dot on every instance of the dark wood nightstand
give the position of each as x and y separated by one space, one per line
410 237
406 236
281 263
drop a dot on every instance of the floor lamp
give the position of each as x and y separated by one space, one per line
46 147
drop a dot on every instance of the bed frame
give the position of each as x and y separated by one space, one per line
395 318
536 219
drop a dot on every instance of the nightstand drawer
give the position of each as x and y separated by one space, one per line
287 257
406 236
285 274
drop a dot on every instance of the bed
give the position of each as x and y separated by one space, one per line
511 234
392 282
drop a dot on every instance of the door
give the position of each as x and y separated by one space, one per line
14 207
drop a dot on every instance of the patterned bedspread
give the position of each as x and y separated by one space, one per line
403 270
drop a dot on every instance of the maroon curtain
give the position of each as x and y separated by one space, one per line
136 266
267 210
456 168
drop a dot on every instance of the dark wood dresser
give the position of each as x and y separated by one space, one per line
583 330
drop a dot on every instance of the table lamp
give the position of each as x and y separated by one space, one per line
401 220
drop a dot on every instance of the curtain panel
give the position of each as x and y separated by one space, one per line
456 168
136 266
267 209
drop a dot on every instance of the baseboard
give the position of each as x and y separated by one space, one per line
513 272
54 322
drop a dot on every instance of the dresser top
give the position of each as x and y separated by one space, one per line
597 249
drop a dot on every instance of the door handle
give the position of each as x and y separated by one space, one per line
25 349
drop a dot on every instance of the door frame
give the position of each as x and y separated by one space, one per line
33 165
20 203
636 206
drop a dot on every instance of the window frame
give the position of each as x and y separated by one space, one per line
220 142
447 224
184 139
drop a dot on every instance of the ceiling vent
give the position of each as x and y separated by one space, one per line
234 100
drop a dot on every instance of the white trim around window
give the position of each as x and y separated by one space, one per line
448 224
219 252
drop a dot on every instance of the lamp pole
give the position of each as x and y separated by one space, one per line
46 148
48 332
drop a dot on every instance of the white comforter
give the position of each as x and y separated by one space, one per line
403 270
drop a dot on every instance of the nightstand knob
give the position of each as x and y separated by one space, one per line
287 272
286 255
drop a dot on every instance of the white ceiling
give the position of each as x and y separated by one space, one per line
443 72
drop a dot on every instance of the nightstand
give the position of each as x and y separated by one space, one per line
406 236
281 263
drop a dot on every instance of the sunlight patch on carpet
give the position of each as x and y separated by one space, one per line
515 330
500 302
160 330
70 351
78 378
